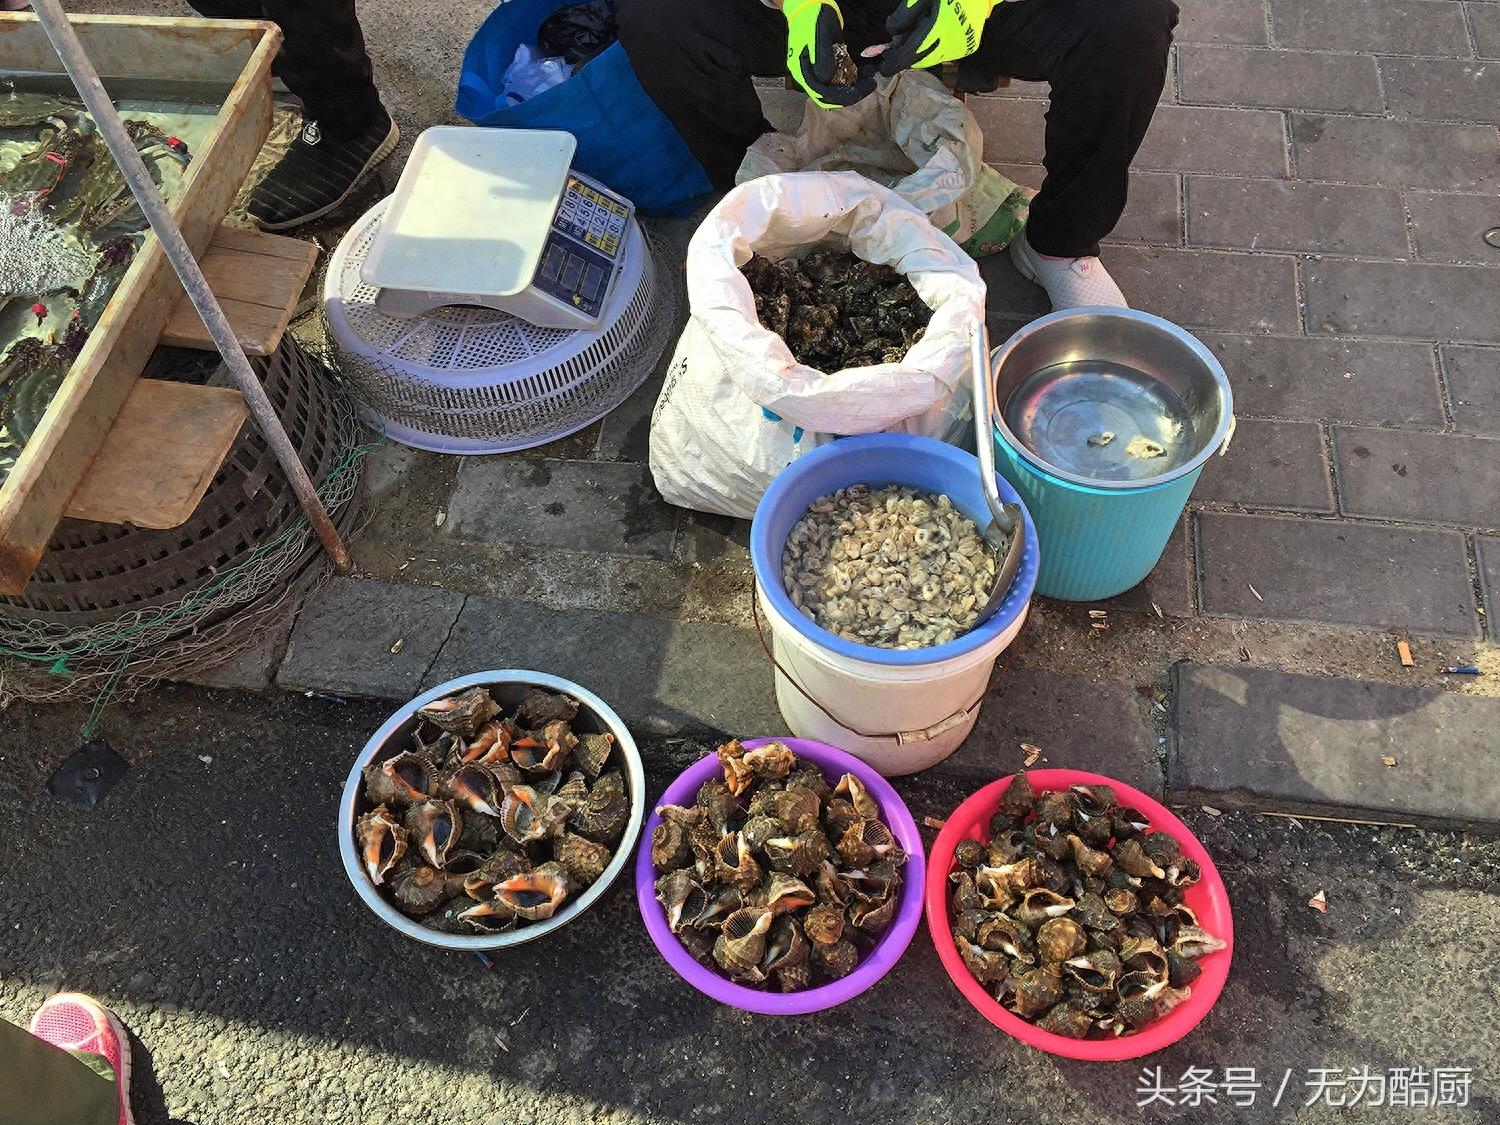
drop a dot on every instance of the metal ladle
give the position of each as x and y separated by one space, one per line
1007 523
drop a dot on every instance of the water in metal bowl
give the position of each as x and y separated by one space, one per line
1101 420
1111 398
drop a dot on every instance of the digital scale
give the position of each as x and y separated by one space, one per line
497 218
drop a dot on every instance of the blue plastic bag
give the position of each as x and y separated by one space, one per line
624 140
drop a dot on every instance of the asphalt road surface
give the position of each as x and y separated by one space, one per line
204 901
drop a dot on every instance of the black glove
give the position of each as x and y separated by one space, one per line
929 32
814 28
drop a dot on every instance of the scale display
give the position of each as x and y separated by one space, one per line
583 248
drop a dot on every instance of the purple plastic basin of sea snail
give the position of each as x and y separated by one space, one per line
876 963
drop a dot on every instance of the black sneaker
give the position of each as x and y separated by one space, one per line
318 173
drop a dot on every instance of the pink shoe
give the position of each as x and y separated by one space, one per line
76 1023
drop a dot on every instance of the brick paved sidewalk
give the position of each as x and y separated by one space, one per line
1311 200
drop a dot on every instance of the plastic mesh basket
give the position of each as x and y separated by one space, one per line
473 380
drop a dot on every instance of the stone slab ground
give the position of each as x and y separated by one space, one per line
1256 737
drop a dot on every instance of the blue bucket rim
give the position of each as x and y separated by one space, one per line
1053 472
766 556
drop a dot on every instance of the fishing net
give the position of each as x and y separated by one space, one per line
112 609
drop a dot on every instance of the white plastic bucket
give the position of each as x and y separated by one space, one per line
928 708
899 710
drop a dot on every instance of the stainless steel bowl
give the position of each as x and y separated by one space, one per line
507 686
1066 380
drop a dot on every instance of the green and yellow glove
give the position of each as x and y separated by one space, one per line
814 28
930 32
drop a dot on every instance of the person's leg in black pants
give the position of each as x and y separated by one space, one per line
347 131
1106 61
697 58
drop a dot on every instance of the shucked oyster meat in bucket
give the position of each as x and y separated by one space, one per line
488 822
890 567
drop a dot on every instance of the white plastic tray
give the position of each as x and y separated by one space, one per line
471 211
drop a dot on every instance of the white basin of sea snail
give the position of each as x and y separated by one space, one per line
490 820
773 877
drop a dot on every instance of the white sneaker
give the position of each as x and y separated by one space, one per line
1069 283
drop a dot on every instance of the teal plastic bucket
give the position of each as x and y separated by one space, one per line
1104 419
